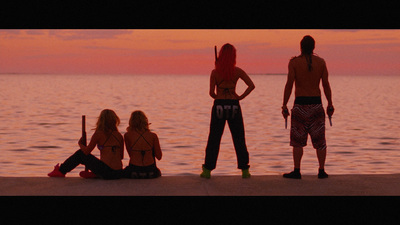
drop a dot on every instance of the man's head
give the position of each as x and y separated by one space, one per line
307 45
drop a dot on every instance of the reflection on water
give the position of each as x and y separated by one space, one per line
41 121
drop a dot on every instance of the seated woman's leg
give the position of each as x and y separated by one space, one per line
92 163
72 162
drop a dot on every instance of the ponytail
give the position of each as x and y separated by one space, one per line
307 46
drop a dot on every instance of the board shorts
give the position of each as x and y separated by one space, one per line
308 117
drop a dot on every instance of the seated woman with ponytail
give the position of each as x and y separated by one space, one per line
143 148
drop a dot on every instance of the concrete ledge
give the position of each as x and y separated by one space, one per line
268 185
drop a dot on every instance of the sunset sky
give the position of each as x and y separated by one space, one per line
58 51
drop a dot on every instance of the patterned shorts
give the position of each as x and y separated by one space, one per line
308 119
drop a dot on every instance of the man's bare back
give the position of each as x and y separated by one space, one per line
307 82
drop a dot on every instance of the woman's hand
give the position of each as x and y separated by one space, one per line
80 141
237 97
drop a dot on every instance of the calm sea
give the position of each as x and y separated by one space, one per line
41 122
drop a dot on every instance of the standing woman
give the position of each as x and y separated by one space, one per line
227 108
143 148
109 141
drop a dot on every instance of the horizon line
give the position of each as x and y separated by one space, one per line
47 73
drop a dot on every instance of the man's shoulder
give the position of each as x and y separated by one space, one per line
319 58
294 58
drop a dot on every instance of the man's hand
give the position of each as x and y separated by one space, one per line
329 110
285 112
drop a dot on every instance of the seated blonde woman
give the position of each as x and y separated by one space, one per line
143 148
109 141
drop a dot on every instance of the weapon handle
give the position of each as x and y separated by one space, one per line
84 139
215 52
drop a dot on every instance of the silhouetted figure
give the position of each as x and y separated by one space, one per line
306 71
227 108
143 148
109 141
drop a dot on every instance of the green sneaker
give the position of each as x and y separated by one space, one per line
246 173
206 173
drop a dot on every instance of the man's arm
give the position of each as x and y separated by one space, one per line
289 85
288 90
327 91
327 88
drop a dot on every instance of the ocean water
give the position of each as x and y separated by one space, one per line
40 122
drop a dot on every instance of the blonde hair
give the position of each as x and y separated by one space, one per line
138 122
108 121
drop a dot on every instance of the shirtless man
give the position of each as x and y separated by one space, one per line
308 116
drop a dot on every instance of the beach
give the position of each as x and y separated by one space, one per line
268 185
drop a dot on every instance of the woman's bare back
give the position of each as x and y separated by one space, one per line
226 89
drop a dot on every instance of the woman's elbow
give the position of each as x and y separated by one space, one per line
212 94
252 87
158 154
